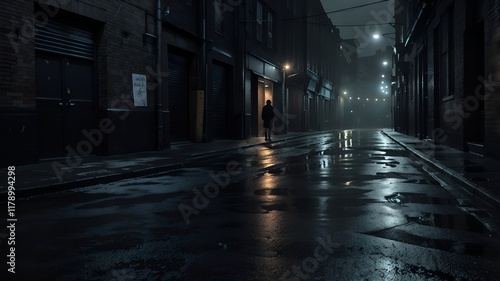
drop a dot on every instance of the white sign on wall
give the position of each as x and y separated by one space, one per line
139 90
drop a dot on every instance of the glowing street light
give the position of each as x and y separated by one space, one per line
283 90
385 63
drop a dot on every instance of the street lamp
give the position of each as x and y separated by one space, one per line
284 97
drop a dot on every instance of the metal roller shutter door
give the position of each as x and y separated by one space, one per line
178 88
218 103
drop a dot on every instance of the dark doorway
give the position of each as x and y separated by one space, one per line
178 89
218 103
64 87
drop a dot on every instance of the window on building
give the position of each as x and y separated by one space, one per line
258 21
270 29
250 15
219 16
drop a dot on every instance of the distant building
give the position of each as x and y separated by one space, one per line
373 109
348 90
446 88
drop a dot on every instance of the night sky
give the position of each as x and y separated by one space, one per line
369 19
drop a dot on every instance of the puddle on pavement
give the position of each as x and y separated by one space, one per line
377 158
408 197
391 175
278 171
420 181
464 248
274 191
430 149
144 183
464 222
389 163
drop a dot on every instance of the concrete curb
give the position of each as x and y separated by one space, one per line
57 187
105 179
470 187
258 144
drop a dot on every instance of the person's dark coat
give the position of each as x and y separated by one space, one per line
267 115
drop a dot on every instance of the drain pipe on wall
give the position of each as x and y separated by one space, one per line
205 72
159 96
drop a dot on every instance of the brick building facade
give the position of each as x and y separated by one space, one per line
88 77
446 88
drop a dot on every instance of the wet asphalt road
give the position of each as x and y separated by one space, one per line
348 205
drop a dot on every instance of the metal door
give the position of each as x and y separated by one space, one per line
64 88
218 100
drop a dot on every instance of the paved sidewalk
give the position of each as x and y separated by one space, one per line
40 178
479 176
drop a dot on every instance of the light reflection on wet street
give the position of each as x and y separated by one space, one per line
349 205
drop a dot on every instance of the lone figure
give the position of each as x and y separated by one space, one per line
267 116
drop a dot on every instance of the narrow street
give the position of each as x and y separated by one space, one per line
349 205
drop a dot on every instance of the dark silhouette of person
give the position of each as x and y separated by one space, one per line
267 116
